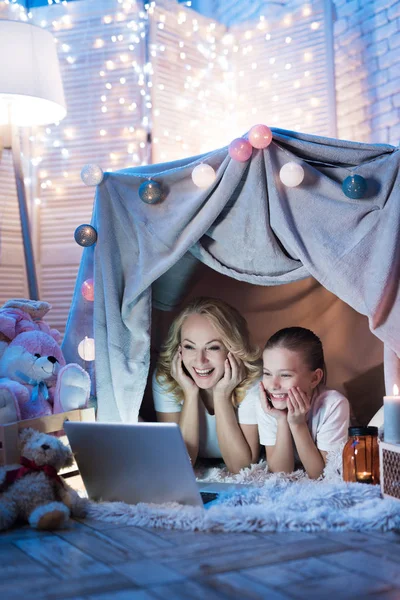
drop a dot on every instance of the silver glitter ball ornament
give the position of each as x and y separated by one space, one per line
85 235
92 174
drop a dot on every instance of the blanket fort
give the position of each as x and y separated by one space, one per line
247 225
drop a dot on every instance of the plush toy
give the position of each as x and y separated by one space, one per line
33 491
34 379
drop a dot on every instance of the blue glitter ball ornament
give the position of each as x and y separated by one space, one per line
354 187
150 192
85 235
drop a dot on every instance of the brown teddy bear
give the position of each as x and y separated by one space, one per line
33 491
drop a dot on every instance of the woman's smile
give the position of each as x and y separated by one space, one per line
203 372
203 352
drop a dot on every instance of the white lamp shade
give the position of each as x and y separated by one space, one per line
31 90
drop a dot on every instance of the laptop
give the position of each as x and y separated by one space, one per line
141 462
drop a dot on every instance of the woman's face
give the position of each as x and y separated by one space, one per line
284 369
203 352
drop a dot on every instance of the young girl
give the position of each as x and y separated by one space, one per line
207 381
297 414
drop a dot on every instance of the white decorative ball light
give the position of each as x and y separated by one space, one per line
291 174
92 174
203 175
86 349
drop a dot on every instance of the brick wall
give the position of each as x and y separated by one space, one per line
366 54
367 64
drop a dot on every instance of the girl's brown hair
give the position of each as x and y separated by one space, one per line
300 339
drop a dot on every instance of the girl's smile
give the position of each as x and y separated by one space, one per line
285 369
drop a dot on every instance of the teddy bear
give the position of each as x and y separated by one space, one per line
34 377
33 492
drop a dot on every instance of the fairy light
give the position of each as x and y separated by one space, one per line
218 81
288 20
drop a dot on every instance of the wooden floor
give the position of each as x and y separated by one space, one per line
99 561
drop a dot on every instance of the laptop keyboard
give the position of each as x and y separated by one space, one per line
208 496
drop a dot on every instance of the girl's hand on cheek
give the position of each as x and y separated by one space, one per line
299 405
268 408
233 375
177 372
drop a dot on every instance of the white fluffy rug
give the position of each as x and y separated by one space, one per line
277 503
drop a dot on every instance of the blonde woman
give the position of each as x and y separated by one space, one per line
207 381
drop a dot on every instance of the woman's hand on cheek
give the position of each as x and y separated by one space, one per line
267 406
234 374
182 379
299 405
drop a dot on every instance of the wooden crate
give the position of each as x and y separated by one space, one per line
9 450
389 461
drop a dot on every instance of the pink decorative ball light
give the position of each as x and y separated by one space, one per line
240 149
260 136
87 290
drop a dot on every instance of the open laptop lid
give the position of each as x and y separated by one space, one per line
143 462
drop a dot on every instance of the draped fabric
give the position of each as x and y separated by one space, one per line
247 225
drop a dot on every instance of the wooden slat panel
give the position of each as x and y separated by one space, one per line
76 141
12 263
289 86
227 80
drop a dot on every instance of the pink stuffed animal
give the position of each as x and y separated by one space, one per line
34 379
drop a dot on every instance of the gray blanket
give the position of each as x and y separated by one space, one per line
249 226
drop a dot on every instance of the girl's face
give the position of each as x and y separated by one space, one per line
284 369
203 352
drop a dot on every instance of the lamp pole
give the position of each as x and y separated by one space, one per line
24 214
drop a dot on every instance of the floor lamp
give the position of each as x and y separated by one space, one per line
31 94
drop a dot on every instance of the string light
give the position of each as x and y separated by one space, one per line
225 77
291 174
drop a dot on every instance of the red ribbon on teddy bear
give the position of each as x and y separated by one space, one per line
29 466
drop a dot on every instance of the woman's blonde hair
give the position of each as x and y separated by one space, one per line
232 328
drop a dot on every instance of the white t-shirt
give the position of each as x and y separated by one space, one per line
327 420
165 402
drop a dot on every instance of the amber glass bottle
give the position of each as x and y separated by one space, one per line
361 455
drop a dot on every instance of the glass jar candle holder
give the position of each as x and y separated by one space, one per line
361 456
